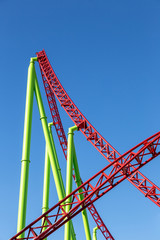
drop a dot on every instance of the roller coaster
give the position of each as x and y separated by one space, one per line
73 202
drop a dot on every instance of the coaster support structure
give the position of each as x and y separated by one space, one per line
81 196
127 170
69 176
72 161
95 233
97 186
33 87
46 184
26 148
63 142
50 147
92 135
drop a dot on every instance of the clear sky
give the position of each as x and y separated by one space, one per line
107 56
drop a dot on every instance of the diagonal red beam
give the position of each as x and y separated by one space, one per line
63 142
52 84
101 183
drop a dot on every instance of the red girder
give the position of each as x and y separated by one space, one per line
56 117
63 142
51 82
102 182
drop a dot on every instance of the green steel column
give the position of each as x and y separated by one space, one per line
48 140
46 184
95 233
45 205
69 177
81 197
26 148
73 235
56 161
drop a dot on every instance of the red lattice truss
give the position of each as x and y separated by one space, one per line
53 85
109 177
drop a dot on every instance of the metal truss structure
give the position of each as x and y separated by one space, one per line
53 85
120 167
105 180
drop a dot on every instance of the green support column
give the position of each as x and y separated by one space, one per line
26 148
81 197
46 184
56 161
67 233
50 148
95 233
48 139
73 235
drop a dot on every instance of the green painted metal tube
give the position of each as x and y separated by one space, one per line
78 182
95 233
73 235
67 233
48 139
46 184
50 148
56 160
26 148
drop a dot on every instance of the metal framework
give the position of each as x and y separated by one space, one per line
63 142
101 183
119 168
53 85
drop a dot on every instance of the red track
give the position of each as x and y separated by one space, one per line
53 85
102 182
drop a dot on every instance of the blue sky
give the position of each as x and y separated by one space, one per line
107 57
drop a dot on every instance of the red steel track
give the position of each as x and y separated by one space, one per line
101 183
53 85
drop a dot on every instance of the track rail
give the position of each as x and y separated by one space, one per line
101 183
142 183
